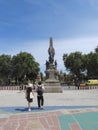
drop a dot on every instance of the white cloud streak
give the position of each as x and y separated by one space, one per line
39 49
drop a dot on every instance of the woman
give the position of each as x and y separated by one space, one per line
29 95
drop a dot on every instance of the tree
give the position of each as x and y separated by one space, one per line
5 69
82 66
92 65
74 63
96 49
24 67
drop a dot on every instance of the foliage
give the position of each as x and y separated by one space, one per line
74 63
82 66
24 67
5 69
96 49
92 65
18 69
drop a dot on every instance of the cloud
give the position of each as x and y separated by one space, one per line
93 3
83 45
39 49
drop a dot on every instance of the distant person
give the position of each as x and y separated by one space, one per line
40 98
29 95
21 87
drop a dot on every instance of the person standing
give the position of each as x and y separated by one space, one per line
40 97
29 95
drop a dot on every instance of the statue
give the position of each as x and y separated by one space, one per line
55 64
51 52
47 64
52 84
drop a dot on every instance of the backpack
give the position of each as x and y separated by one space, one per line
40 90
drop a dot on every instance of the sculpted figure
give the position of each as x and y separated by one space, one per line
55 64
47 64
51 52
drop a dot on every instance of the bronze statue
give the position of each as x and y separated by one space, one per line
51 52
47 64
55 64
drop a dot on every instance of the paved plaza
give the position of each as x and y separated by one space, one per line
70 110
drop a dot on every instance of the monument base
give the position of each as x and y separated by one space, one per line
52 86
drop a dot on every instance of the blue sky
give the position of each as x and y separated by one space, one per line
27 25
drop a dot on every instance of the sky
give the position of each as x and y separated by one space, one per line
27 25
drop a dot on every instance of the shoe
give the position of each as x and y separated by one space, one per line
42 107
29 109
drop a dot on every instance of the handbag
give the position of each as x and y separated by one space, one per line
31 95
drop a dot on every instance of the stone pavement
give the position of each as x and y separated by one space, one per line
70 110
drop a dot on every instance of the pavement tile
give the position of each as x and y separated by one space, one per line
77 110
74 127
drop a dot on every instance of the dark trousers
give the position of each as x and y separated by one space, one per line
40 101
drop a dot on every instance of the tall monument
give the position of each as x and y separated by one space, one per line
52 83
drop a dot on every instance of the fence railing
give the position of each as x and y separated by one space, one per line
12 87
79 87
64 87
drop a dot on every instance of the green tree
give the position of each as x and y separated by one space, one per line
24 67
92 65
82 66
74 63
96 49
5 69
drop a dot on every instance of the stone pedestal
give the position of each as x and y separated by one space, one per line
52 86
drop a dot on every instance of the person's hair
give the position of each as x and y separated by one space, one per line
29 89
39 83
